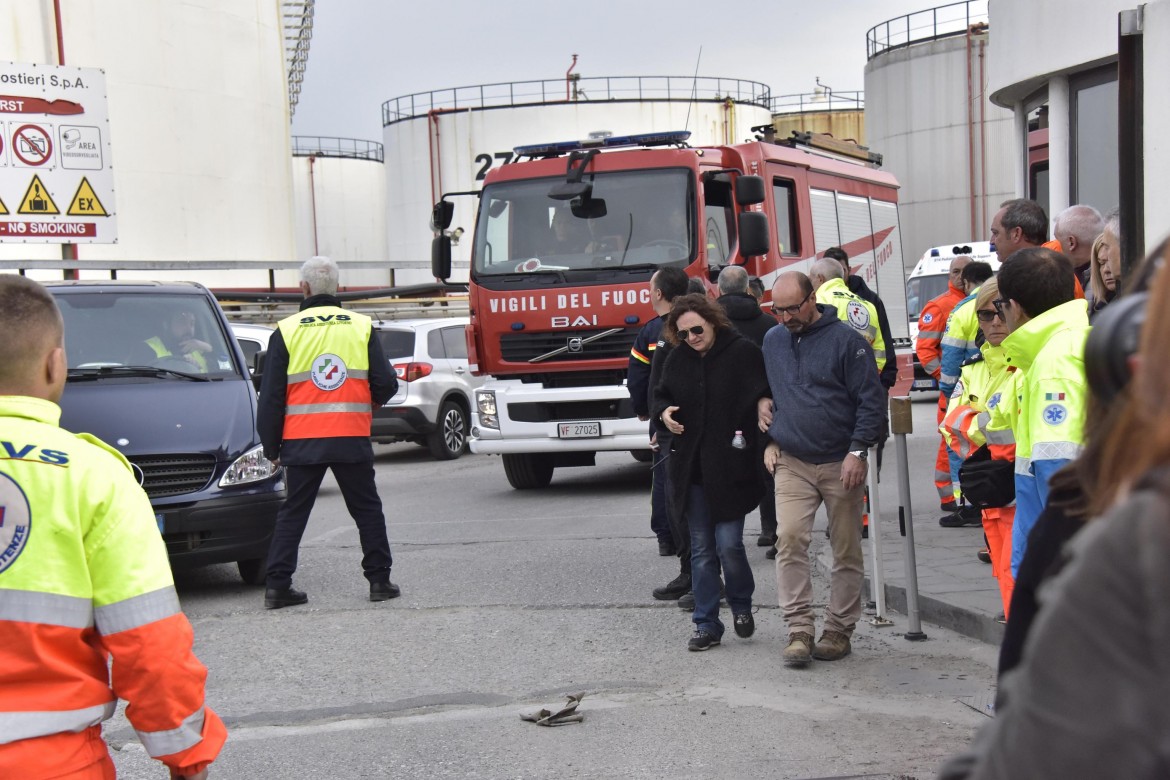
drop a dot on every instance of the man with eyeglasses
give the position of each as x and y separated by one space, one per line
932 322
1048 326
827 408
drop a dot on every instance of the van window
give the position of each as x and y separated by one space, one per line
784 195
921 290
180 332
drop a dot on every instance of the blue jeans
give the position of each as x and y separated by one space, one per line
714 544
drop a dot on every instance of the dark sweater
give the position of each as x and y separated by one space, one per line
746 315
827 399
716 396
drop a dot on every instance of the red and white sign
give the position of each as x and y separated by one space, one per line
56 167
32 145
62 231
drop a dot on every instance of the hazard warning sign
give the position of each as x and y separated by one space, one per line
36 200
56 164
85 202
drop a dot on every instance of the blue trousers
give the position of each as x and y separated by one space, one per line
714 544
356 481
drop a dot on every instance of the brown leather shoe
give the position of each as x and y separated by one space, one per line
832 646
799 650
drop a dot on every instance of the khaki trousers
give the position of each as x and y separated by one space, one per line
800 489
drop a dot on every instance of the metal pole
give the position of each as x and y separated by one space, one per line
875 542
901 424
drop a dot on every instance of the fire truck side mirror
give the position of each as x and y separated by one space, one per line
753 233
442 214
441 257
749 190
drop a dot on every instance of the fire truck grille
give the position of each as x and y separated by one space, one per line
174 475
571 410
523 347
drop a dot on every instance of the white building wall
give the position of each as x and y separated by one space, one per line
199 122
340 207
1156 106
427 156
916 116
1079 35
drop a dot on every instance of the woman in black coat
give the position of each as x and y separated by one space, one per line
707 399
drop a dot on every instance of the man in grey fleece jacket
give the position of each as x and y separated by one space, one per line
827 409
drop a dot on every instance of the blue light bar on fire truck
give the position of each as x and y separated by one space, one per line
611 142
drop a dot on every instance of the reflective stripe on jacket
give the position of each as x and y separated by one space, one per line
1049 349
857 313
958 342
84 576
328 373
161 350
932 323
982 386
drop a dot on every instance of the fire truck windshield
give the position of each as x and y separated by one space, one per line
627 218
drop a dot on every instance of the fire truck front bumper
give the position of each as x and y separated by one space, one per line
512 417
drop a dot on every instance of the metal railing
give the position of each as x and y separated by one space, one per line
582 90
827 100
352 148
932 24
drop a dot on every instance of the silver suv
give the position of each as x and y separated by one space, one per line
435 387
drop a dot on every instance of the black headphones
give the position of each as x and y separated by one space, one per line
1112 341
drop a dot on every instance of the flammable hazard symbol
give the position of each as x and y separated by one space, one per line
37 200
85 202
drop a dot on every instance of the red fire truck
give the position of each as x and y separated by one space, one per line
567 238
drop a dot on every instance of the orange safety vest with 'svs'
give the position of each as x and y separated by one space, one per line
328 373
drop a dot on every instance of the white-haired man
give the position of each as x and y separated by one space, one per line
324 375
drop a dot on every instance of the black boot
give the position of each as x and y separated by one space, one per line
673 589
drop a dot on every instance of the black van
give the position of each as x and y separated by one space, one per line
155 372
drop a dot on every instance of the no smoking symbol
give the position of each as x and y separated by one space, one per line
32 145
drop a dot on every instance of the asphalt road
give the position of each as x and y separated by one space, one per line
512 600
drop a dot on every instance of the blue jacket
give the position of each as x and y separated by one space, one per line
827 398
638 373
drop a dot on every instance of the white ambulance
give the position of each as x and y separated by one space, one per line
929 280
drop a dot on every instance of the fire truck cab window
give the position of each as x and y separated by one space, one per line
632 218
718 218
783 193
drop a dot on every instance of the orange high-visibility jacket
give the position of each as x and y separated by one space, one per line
84 578
932 323
328 373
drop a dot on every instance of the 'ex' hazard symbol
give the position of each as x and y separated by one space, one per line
37 200
85 202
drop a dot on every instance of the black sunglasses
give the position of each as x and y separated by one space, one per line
999 303
695 331
985 315
791 311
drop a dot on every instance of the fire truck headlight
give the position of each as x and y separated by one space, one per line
486 401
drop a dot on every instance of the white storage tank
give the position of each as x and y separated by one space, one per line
447 140
927 112
199 122
339 192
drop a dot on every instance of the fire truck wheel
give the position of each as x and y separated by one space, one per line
527 471
449 439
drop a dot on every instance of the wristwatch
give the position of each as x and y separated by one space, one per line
862 455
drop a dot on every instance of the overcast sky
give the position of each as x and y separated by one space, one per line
365 52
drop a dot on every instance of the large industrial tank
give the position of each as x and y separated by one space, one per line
339 194
927 113
839 114
198 117
447 141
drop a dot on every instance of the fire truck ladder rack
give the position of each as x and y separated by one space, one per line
825 144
